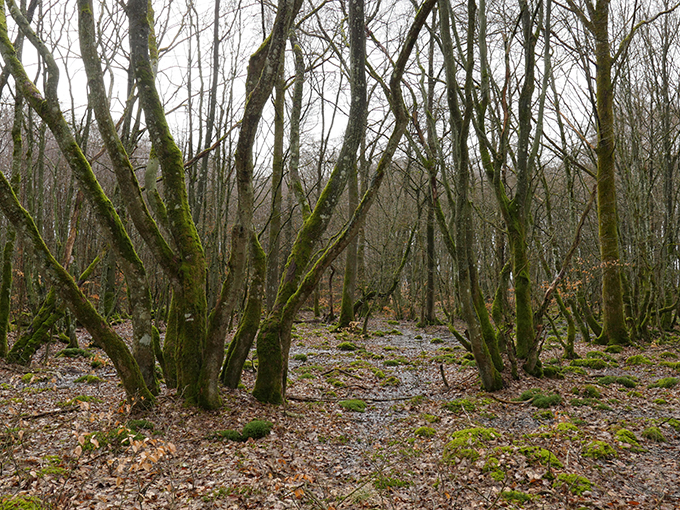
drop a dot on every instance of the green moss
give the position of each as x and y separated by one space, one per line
136 425
74 352
538 455
519 496
576 484
566 427
386 482
354 405
668 355
545 401
614 349
430 418
334 381
89 379
390 381
463 443
347 346
21 503
257 429
626 381
300 357
635 394
228 434
544 415
552 372
600 355
391 363
626 436
458 404
666 382
675 365
654 434
307 375
598 450
574 370
591 391
592 363
529 394
425 432
436 341
638 359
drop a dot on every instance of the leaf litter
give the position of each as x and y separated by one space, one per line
77 446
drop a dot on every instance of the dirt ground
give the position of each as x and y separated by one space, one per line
428 436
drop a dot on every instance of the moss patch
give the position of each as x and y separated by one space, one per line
598 450
592 363
425 432
576 484
654 434
464 442
538 455
355 405
666 382
638 359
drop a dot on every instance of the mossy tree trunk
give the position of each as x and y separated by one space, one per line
350 278
596 21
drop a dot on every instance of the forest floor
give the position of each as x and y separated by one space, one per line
428 437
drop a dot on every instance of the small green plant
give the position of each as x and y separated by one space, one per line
598 450
660 401
334 381
638 359
593 363
675 365
574 370
89 379
27 378
391 363
544 415
463 443
626 436
626 381
430 418
386 482
493 467
576 484
666 382
136 425
257 429
228 434
425 432
614 349
393 322
458 404
21 503
436 340
347 346
601 355
566 428
390 381
355 405
538 455
519 496
654 434
300 357
591 391
668 355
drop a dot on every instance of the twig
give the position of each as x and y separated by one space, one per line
51 413
441 371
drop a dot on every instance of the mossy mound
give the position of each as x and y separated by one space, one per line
347 346
459 404
21 503
576 484
675 365
300 357
256 429
519 496
592 363
540 399
538 455
74 352
390 381
614 349
638 359
89 379
626 381
425 432
654 434
666 382
598 450
463 443
354 405
626 436
591 391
